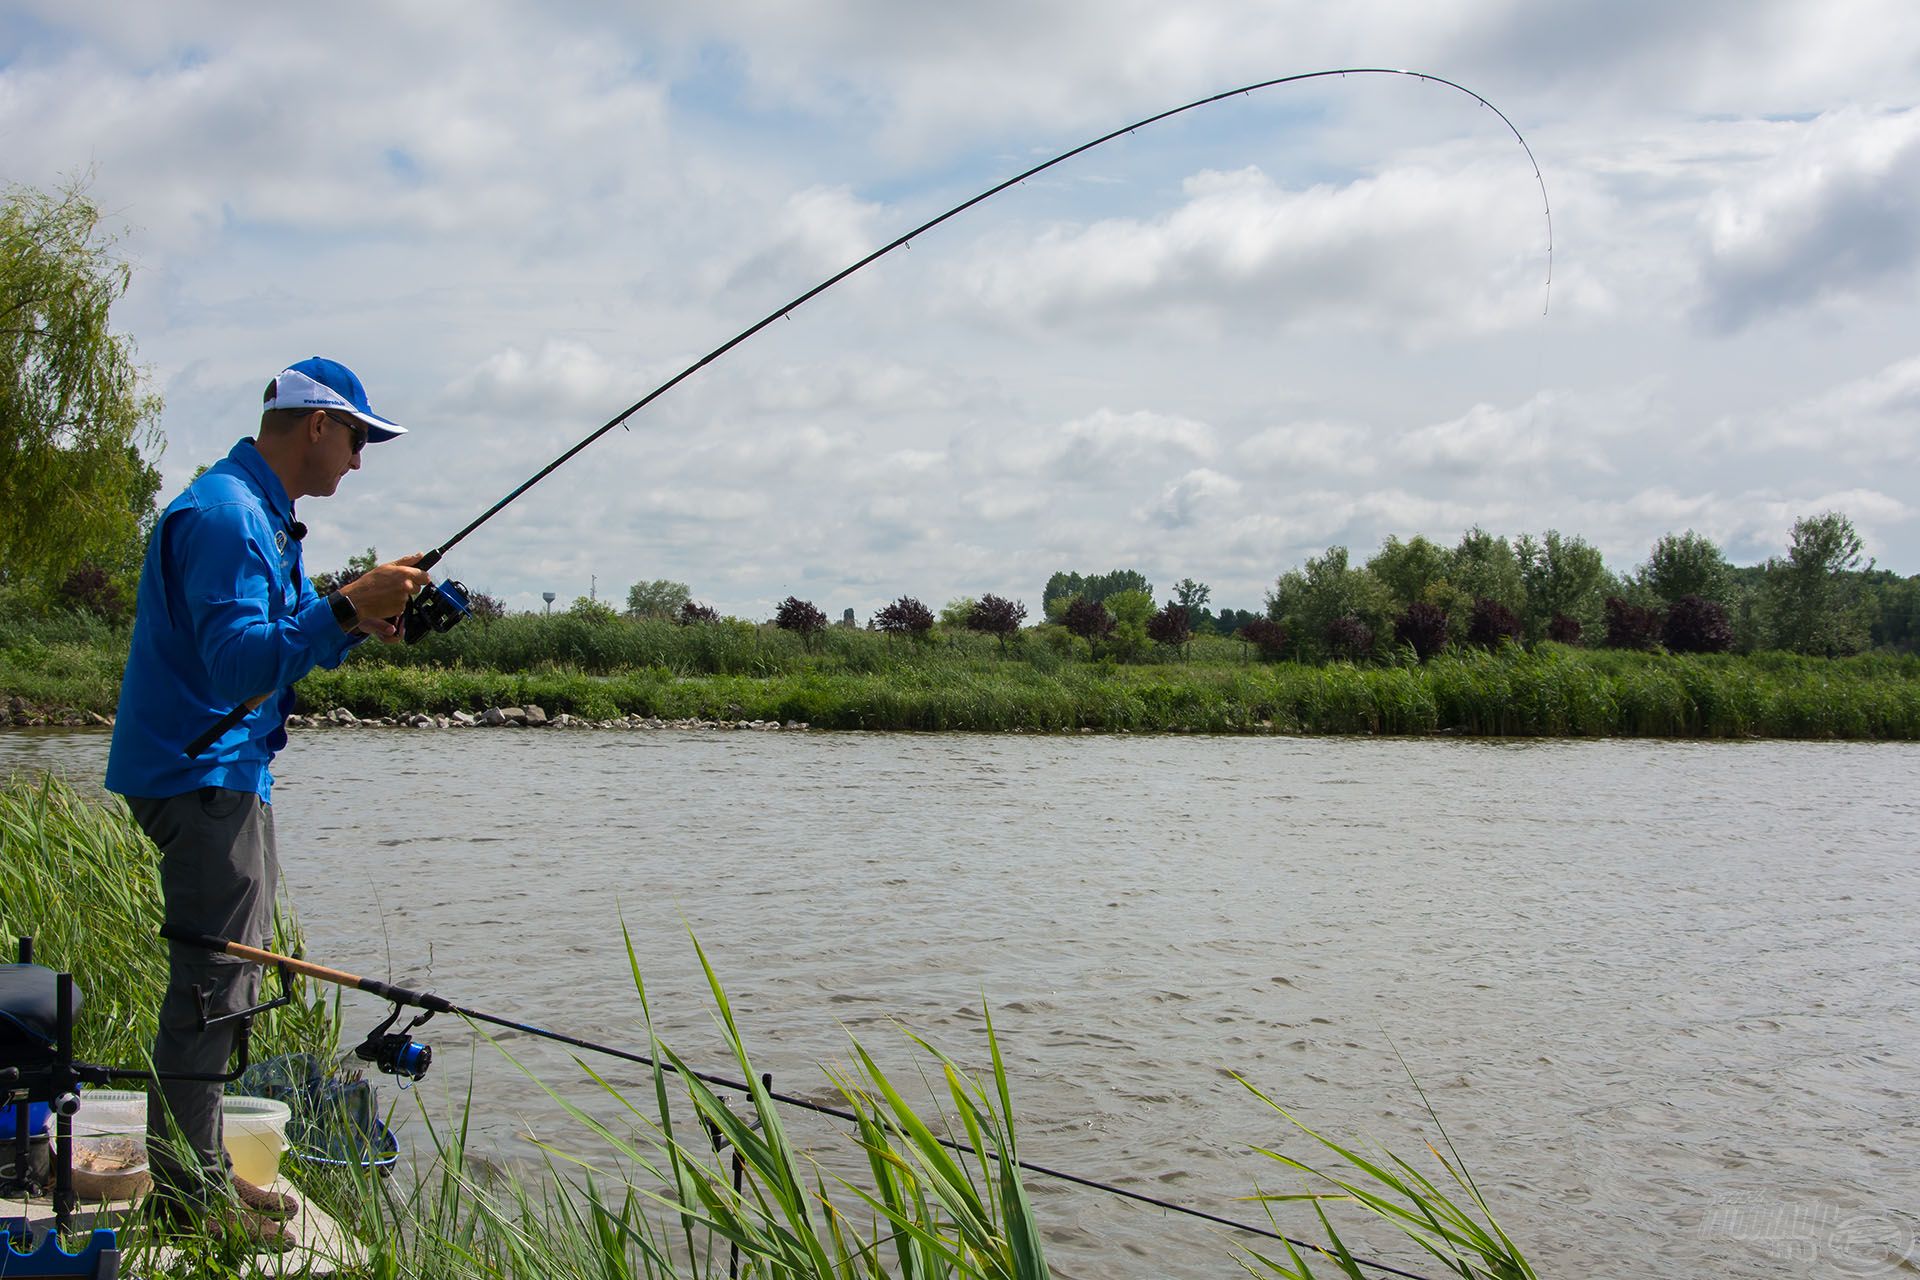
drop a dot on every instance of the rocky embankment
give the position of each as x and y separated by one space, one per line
527 717
25 715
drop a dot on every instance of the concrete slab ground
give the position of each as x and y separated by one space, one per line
322 1247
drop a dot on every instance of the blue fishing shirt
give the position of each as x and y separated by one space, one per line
224 613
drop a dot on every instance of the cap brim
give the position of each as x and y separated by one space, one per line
378 428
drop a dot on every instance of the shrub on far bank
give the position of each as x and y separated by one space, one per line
1492 624
1267 637
904 617
997 616
1171 627
1697 625
1422 628
1349 638
1631 626
1089 620
802 617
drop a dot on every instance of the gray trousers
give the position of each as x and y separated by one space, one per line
218 872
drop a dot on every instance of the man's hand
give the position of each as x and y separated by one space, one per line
380 594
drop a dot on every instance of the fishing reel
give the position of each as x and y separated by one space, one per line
438 606
397 1053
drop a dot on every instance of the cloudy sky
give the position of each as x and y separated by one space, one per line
1314 315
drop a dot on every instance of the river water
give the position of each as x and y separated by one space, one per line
1662 995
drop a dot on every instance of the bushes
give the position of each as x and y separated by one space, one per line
1422 628
1695 625
1492 624
1089 620
1170 627
1350 638
800 616
1629 626
996 616
904 617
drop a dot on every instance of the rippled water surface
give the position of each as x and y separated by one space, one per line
1663 995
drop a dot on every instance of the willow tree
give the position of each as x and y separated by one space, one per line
75 421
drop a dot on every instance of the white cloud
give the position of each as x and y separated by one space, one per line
1182 503
1413 251
1866 422
1108 442
1309 447
1547 428
560 373
1834 214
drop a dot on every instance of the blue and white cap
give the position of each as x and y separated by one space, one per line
320 383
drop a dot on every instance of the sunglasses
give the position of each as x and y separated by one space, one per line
358 429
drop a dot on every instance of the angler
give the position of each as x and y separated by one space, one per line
225 610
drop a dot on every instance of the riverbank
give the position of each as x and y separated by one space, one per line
864 682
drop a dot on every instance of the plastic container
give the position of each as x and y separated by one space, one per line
110 1145
255 1132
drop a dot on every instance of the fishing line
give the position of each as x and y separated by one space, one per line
435 609
431 558
431 1004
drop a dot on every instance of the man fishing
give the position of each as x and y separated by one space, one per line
226 616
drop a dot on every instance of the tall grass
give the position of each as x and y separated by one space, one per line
1455 1228
1550 692
682 1182
83 881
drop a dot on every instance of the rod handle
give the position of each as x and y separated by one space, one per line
198 746
338 977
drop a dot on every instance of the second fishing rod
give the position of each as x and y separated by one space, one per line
397 1053
441 605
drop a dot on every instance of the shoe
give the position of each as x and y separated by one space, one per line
257 1233
277 1205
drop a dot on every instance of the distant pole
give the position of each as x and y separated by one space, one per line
548 597
593 586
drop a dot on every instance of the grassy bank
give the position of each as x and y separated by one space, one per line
649 1196
857 680
1549 692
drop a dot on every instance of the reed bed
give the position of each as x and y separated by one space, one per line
849 679
1549 692
82 880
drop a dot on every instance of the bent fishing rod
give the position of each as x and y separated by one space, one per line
438 607
399 1055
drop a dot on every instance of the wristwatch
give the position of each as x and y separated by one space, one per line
343 611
